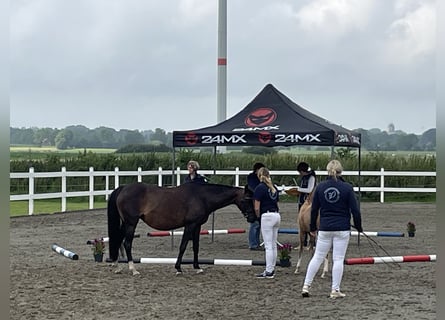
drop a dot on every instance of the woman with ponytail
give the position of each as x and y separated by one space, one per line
266 208
334 200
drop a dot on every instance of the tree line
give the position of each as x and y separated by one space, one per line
79 136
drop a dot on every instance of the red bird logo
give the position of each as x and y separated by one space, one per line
260 117
191 138
264 137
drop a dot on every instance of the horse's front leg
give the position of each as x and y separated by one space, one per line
186 236
300 252
196 235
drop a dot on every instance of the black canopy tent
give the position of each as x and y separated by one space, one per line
270 119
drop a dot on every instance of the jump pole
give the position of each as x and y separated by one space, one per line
65 252
202 232
398 259
107 239
221 262
355 233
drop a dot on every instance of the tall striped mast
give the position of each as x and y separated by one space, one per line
222 62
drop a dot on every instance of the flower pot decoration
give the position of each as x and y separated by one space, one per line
98 249
411 229
284 254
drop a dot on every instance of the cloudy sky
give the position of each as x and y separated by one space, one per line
146 64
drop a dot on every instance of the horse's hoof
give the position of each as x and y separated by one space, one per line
198 271
296 271
135 273
118 271
178 273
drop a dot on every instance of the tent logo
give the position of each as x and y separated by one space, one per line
260 117
191 138
264 137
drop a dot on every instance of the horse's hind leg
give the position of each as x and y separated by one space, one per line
128 242
121 250
196 232
186 236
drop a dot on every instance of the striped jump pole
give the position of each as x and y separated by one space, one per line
379 234
180 233
398 259
355 233
107 239
65 252
289 231
221 262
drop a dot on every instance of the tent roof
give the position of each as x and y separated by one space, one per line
270 119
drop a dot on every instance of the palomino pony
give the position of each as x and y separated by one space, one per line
304 221
166 208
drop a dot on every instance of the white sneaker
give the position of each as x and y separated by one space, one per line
305 291
337 294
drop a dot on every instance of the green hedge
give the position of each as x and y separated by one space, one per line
221 161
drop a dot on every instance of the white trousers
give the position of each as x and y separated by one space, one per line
339 241
270 223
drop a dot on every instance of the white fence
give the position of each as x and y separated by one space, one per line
160 173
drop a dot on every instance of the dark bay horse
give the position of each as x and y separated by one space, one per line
166 208
304 221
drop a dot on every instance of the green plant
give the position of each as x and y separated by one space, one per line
284 251
98 246
410 227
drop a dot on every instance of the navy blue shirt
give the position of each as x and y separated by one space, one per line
252 181
198 179
336 201
268 201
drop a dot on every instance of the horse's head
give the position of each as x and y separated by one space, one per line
244 201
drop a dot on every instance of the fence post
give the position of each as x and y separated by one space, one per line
107 186
139 174
91 188
160 177
178 176
63 189
237 177
31 191
382 185
116 177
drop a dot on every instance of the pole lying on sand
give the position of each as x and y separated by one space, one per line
65 252
224 262
107 239
397 259
180 233
221 262
355 233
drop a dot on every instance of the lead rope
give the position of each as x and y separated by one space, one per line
374 243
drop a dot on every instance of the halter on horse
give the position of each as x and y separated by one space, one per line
166 208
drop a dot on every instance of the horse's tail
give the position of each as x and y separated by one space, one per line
115 234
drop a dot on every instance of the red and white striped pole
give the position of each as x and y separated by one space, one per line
397 259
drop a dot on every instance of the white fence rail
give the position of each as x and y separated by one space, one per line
31 176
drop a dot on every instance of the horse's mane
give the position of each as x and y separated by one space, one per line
211 185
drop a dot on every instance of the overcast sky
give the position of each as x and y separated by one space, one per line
146 64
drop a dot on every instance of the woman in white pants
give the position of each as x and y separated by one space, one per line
335 201
266 199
